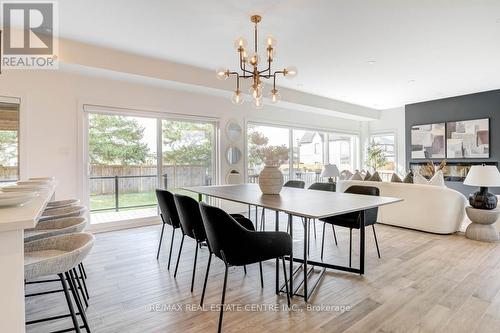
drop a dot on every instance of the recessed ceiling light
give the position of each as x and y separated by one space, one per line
411 81
371 62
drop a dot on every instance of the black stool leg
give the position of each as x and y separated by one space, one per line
376 242
77 301
334 235
314 226
194 266
83 282
70 304
206 278
350 246
161 238
179 255
83 270
74 275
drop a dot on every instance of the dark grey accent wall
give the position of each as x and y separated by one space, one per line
473 106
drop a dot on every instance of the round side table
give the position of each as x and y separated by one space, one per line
482 228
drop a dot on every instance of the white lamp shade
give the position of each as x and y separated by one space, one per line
483 176
330 170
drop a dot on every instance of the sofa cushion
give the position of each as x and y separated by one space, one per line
436 180
395 178
375 177
356 176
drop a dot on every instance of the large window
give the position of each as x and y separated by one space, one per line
309 149
130 156
387 143
9 142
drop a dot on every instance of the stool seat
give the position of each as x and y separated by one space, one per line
62 203
55 255
49 228
57 213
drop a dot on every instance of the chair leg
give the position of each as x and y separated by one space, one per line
314 226
323 240
222 300
261 275
161 238
350 246
245 269
206 278
79 286
179 256
286 282
194 265
171 246
376 242
77 301
70 303
83 282
334 235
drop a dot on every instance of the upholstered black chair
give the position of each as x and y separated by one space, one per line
169 215
330 187
290 183
192 226
237 246
352 220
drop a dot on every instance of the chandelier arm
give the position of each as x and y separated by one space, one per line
255 37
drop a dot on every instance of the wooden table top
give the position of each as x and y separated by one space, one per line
298 202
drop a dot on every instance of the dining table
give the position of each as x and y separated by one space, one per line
308 205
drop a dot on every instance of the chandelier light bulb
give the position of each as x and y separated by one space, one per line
275 96
222 73
258 103
290 72
237 98
254 59
270 41
240 42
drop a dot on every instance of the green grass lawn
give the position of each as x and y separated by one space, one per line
107 201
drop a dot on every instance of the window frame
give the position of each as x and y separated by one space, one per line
387 133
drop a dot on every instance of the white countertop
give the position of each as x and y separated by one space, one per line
25 216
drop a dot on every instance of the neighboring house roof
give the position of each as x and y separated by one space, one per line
308 137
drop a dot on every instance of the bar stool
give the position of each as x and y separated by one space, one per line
62 203
58 213
57 227
59 255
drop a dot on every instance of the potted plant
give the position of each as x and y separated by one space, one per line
375 156
271 178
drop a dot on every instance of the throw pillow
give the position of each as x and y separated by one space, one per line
375 177
395 178
345 175
356 176
409 178
419 179
437 179
368 175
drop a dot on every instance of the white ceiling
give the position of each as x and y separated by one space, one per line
380 54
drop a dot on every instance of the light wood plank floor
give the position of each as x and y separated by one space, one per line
423 283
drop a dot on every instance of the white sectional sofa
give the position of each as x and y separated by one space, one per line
428 208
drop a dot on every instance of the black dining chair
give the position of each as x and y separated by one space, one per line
329 187
192 226
290 183
237 246
168 214
352 220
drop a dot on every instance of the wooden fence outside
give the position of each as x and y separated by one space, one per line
140 178
8 173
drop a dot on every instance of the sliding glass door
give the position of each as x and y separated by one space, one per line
130 156
9 142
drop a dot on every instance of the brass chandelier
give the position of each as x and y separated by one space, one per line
249 67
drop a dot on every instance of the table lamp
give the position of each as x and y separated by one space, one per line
330 171
483 176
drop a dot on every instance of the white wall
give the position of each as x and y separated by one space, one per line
393 120
51 102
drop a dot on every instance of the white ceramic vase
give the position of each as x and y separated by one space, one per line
270 180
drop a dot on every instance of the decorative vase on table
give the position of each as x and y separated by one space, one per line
271 180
